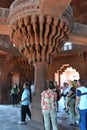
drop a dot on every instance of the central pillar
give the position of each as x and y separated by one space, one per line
40 85
38 37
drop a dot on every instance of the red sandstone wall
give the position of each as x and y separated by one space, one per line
5 80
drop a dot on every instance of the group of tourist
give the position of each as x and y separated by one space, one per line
69 94
75 103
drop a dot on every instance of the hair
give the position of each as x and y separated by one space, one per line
81 82
65 84
26 84
51 85
16 85
73 84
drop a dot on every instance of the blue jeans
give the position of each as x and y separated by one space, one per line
83 119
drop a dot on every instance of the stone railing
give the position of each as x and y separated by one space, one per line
22 7
4 15
19 2
68 16
80 29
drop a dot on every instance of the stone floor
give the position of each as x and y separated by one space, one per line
9 117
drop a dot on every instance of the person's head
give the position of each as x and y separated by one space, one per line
32 82
65 84
73 84
69 82
26 85
51 85
55 83
80 82
15 85
75 81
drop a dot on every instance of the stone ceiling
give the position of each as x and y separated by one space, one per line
80 11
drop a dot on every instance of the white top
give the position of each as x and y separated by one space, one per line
66 90
83 98
32 88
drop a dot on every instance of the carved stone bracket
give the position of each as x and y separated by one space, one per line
38 41
37 36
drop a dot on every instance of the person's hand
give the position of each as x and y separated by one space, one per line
20 102
76 111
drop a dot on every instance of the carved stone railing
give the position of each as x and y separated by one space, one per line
22 8
80 29
17 3
4 15
8 47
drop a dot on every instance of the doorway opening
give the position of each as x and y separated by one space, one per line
15 78
66 73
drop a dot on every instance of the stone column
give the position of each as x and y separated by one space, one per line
40 85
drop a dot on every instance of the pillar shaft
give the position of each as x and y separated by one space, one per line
40 84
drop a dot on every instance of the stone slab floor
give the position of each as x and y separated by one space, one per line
9 117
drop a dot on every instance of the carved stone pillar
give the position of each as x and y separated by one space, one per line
38 36
40 84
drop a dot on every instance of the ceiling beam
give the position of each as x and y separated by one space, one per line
4 29
77 39
54 7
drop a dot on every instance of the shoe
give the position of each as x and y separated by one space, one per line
21 122
71 124
28 119
64 109
74 124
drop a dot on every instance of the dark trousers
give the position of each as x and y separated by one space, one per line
25 110
14 99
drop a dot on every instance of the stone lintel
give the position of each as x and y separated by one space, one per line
78 39
4 29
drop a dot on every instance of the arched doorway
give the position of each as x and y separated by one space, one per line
15 78
65 73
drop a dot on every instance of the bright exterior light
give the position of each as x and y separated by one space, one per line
67 46
14 45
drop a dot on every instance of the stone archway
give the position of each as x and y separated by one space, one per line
65 73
